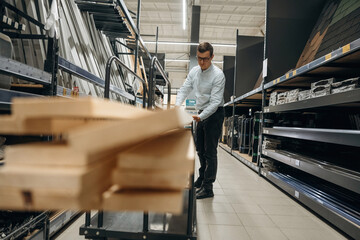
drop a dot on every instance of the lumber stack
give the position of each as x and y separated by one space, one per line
107 156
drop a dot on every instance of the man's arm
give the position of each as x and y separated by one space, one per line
184 90
216 96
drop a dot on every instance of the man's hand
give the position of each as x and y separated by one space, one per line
196 118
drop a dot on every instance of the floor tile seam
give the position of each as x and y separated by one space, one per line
262 215
234 226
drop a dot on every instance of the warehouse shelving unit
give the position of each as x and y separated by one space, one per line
328 188
339 63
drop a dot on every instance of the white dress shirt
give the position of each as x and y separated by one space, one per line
209 88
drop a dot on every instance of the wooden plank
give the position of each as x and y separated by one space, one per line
112 135
86 107
38 200
74 180
173 151
149 201
40 126
52 154
155 179
46 154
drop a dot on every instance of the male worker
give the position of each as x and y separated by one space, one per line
208 81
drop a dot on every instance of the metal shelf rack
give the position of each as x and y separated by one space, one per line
349 98
340 176
336 136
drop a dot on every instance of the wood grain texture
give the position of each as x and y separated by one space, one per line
85 107
159 179
150 201
112 135
13 125
171 151
72 179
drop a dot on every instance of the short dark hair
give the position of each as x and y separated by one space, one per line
205 46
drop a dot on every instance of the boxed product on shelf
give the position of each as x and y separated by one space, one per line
273 98
281 98
292 96
346 85
321 91
303 95
324 82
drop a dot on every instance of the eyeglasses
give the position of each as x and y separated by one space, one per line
206 59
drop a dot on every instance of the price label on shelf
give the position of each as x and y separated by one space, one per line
297 162
265 68
297 194
265 153
266 131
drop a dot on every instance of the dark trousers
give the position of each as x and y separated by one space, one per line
207 137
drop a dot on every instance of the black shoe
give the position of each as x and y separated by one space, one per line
198 190
198 183
204 193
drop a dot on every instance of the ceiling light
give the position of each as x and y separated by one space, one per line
184 14
189 44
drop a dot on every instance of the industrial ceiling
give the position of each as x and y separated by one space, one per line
219 20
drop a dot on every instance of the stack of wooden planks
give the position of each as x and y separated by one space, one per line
105 155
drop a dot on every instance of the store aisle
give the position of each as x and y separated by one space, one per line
246 206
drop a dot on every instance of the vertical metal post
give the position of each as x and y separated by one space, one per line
234 92
87 219
146 222
262 87
46 231
157 41
137 35
100 219
51 64
190 219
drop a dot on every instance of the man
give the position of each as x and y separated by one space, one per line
208 81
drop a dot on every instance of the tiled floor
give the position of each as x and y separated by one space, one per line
246 206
